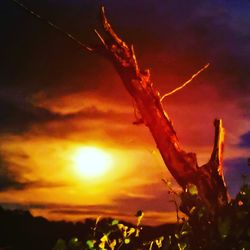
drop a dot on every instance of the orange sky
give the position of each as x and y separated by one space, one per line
56 99
42 157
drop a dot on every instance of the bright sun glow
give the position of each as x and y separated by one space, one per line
91 162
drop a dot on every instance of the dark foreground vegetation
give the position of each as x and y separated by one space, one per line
19 230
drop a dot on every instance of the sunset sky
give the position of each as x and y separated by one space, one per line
56 101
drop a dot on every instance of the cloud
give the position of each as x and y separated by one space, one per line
195 33
17 117
245 140
81 212
70 212
10 180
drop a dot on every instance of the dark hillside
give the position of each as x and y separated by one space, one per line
20 230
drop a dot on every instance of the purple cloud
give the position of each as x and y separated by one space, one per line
245 140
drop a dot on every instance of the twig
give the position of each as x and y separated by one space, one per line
185 83
107 27
100 38
54 26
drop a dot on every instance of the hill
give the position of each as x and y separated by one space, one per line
20 230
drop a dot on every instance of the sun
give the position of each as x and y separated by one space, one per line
91 162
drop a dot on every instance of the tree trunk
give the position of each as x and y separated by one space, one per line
182 165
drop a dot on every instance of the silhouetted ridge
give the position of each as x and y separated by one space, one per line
21 231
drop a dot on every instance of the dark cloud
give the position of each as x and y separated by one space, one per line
10 180
185 34
99 211
17 117
54 206
66 209
234 170
35 57
172 37
245 140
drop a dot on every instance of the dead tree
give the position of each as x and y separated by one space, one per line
183 166
208 178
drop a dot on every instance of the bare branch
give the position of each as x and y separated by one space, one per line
54 26
101 38
110 31
217 153
185 83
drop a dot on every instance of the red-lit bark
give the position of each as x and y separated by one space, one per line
182 165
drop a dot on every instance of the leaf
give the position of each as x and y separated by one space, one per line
139 216
114 222
120 226
177 236
184 233
182 245
137 232
139 213
131 231
90 244
125 228
151 245
102 245
192 210
104 238
127 241
192 189
112 244
159 242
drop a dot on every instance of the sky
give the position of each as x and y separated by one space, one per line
57 100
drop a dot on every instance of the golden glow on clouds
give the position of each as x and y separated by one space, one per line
59 162
73 102
124 157
91 162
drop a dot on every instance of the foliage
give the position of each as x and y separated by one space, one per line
107 235
228 229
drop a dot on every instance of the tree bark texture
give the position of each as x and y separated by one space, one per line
183 166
